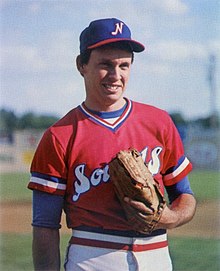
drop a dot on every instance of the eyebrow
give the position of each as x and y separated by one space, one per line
109 61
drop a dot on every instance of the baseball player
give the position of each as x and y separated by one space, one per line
70 169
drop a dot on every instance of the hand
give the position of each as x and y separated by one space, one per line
140 206
178 213
166 220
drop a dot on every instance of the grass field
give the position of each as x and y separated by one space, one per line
188 253
205 184
13 187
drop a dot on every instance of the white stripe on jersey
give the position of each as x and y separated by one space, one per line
176 172
112 120
110 124
119 239
48 183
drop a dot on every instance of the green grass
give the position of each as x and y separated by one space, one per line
188 254
192 254
205 184
16 252
13 187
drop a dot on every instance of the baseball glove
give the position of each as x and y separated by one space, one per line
132 179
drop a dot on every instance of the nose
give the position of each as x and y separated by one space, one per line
115 74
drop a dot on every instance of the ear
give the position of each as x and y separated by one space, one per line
79 65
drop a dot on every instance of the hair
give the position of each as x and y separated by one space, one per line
85 56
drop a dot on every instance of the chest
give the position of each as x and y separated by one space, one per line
95 146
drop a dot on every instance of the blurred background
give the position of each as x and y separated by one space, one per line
178 72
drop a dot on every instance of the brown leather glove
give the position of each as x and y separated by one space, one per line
132 179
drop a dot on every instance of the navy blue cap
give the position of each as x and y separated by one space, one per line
105 31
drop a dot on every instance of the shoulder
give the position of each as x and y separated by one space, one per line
62 130
148 107
151 111
67 119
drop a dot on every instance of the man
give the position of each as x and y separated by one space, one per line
70 167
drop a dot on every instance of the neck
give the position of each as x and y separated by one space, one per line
105 107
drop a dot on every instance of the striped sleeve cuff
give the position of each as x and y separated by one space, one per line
178 172
47 183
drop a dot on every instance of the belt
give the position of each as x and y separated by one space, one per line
108 241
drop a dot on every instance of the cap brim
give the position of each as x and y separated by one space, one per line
135 45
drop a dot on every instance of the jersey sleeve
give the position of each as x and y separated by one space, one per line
175 190
48 168
176 164
47 210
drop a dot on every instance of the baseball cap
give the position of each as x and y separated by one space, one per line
104 31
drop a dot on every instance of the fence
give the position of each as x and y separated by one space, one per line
16 152
202 147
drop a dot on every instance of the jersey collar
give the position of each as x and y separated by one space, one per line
98 117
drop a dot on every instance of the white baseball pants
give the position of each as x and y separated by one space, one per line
103 252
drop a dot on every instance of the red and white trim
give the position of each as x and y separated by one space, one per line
105 123
48 183
180 172
118 242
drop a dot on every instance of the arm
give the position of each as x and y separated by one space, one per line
178 213
47 210
182 205
46 252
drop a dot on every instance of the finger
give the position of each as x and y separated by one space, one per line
140 206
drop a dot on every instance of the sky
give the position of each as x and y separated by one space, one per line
40 42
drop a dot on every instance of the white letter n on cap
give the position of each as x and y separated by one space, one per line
118 28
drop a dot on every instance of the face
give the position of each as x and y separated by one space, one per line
106 76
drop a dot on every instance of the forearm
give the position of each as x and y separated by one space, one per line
179 212
46 252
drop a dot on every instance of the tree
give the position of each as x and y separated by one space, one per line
8 120
33 121
178 119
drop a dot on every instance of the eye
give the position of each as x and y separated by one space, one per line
105 65
125 66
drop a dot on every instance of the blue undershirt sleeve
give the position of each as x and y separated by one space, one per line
47 210
182 187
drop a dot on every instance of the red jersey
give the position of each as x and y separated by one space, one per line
73 155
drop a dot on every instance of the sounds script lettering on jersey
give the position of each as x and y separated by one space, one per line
84 183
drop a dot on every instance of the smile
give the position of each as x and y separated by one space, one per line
111 87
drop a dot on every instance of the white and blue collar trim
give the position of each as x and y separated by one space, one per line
111 114
101 117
